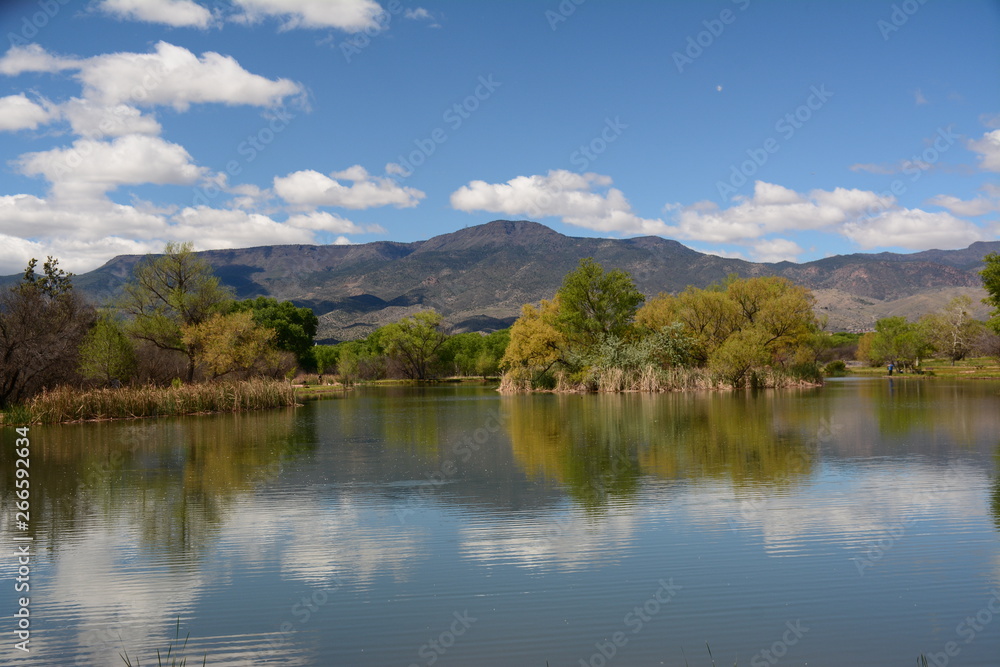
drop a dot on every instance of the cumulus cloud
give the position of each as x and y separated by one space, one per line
95 121
91 168
17 112
586 200
86 233
174 76
988 147
310 188
175 13
346 15
974 207
560 193
33 58
328 222
772 209
864 217
914 229
776 250
169 76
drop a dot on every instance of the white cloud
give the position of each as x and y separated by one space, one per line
35 218
95 121
346 15
33 58
176 13
85 233
327 222
91 168
310 188
174 76
17 112
562 194
914 229
988 148
968 207
864 217
229 228
418 14
171 76
772 209
776 250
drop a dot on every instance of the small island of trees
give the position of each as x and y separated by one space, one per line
598 333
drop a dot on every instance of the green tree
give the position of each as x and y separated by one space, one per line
107 353
326 357
169 292
594 303
230 342
42 323
536 342
413 342
294 327
741 352
349 361
990 275
898 341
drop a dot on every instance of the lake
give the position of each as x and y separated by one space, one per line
854 524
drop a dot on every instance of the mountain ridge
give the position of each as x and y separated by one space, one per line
480 276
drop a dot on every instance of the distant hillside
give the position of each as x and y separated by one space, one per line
479 277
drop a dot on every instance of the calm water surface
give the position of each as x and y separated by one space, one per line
855 524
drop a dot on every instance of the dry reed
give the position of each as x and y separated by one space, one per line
68 404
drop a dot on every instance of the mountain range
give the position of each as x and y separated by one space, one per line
480 276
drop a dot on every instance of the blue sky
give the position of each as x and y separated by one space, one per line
752 128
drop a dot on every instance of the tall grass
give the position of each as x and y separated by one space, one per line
67 404
648 379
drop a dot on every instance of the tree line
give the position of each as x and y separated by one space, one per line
598 332
951 333
174 321
417 347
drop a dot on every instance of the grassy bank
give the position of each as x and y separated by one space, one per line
980 368
67 404
649 379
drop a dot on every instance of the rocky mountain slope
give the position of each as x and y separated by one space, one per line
479 277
